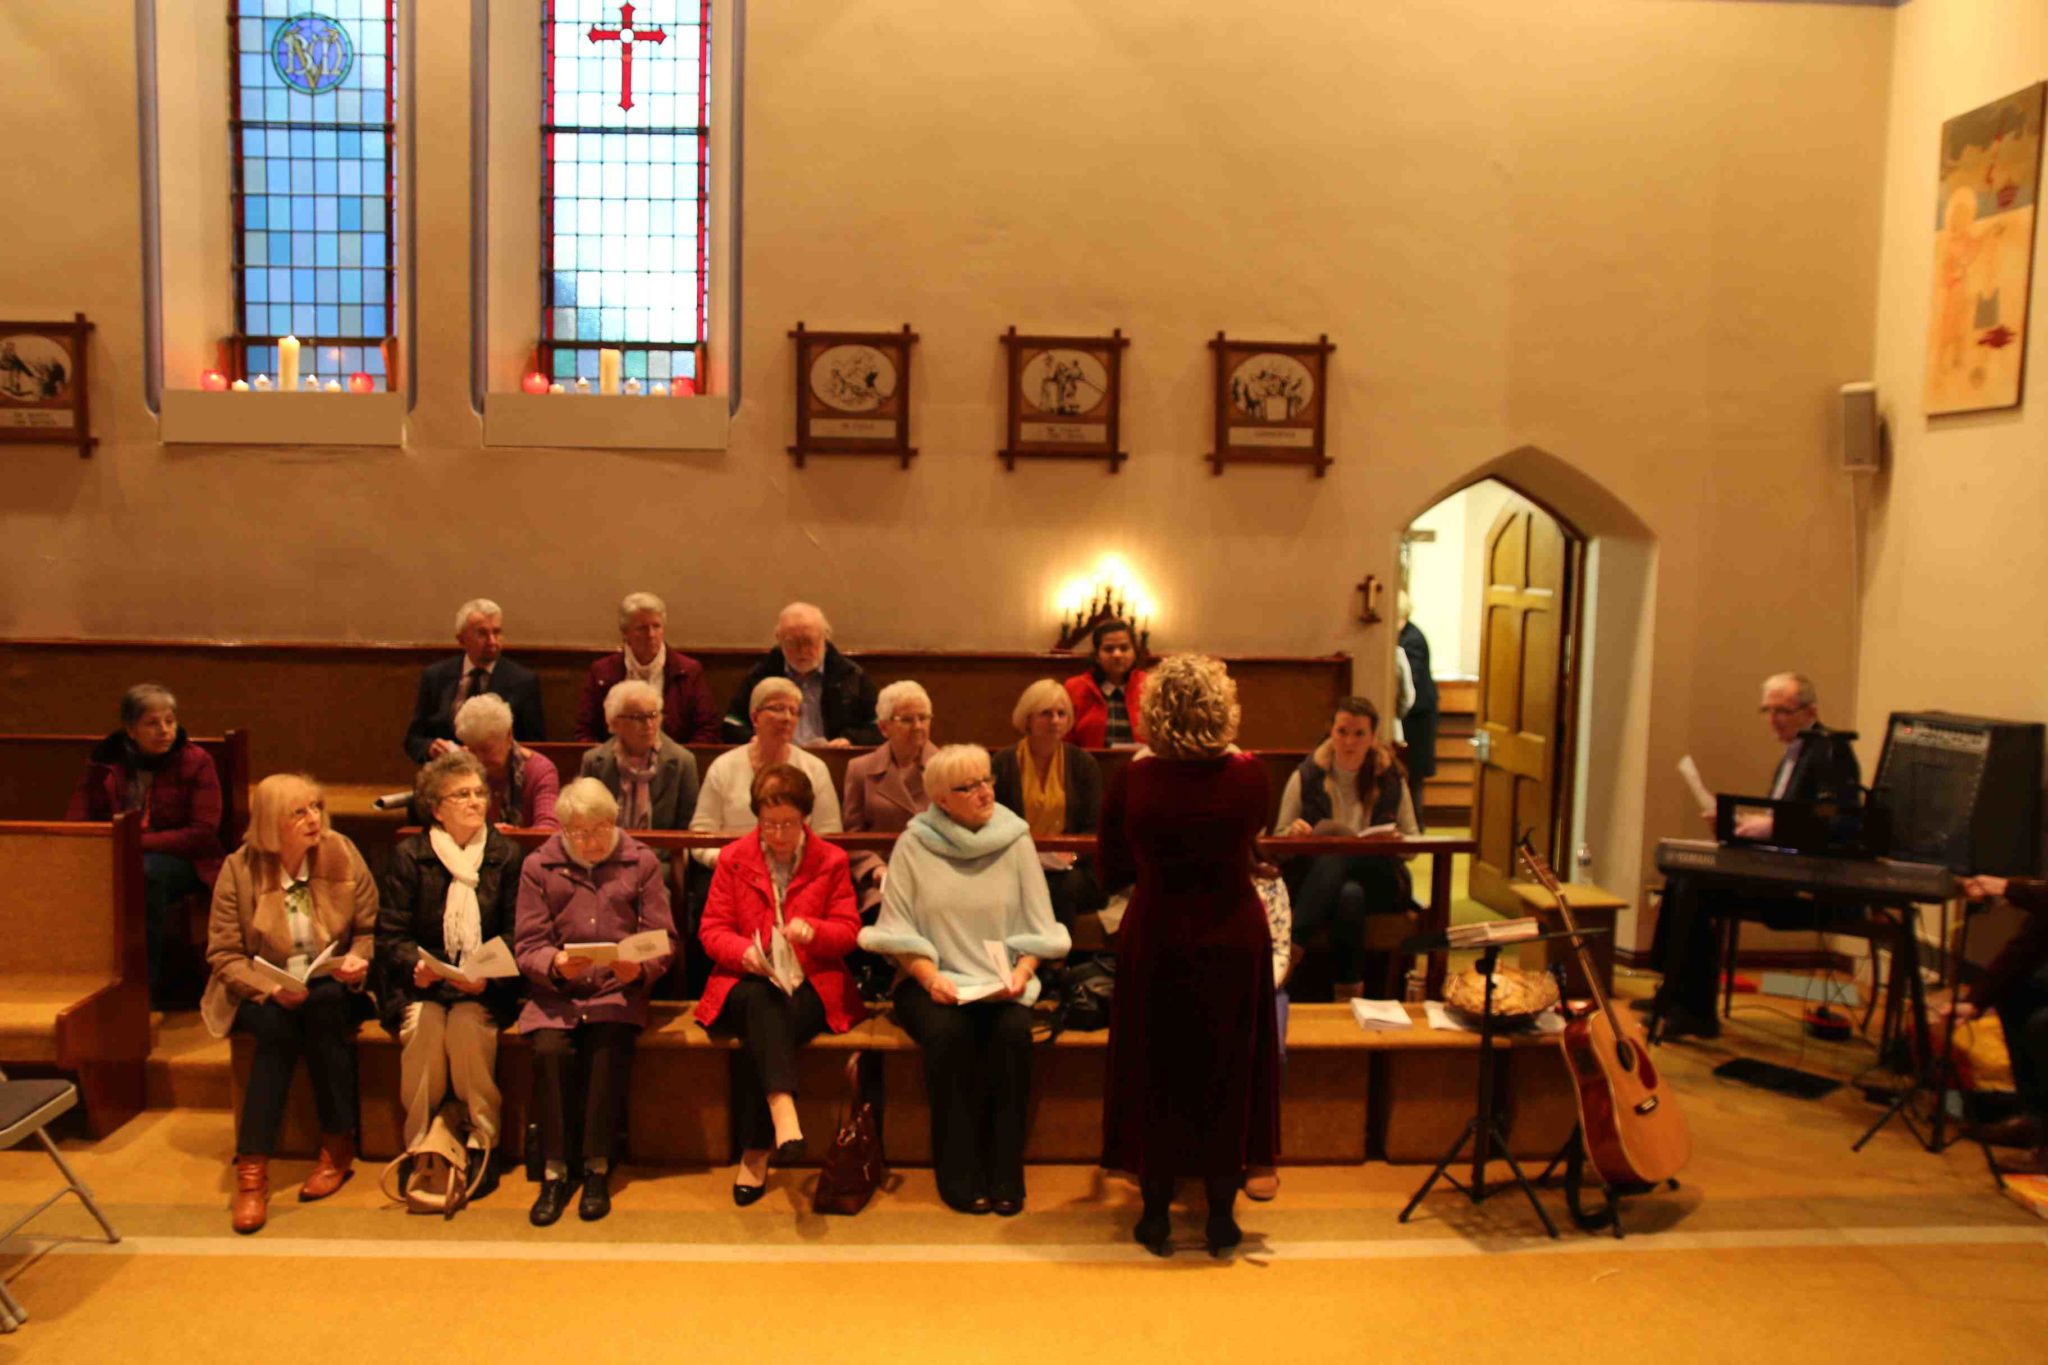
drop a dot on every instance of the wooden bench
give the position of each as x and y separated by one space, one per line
39 772
74 971
1594 908
1402 1096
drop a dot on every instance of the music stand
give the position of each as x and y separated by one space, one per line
1485 1128
1936 1074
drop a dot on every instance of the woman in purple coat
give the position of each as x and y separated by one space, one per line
1194 1066
149 765
589 884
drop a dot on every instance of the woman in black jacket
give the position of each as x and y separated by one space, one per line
452 890
1056 788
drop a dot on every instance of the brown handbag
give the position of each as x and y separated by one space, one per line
853 1168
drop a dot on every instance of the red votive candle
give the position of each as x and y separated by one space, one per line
213 381
535 383
361 383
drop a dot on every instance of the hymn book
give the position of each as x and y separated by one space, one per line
489 960
288 979
999 957
644 946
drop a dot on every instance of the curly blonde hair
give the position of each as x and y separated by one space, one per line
1189 708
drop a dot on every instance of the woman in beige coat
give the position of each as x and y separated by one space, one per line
293 894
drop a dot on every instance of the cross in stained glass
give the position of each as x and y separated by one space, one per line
625 35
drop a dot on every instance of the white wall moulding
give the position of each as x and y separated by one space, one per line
569 421
197 417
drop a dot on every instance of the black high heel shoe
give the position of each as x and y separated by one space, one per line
1154 1232
1222 1235
747 1195
787 1153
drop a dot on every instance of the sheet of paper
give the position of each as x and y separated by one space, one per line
1690 771
980 990
1055 862
644 946
603 954
491 960
1380 1014
276 976
783 968
1444 1019
447 971
1386 831
999 956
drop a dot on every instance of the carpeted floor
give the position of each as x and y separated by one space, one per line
1780 1244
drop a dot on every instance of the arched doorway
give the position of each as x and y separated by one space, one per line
1534 585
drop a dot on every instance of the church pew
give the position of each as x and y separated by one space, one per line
74 969
339 710
39 772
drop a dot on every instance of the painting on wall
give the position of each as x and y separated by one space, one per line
1984 254
1270 402
1065 398
853 394
43 389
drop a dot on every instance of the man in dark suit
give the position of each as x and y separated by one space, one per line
838 699
1419 721
480 630
1818 764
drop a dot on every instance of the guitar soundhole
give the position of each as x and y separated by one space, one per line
1625 1053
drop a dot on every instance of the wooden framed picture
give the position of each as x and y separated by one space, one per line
1066 398
43 389
1270 402
1984 213
853 394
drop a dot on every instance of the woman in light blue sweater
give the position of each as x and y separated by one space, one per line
966 916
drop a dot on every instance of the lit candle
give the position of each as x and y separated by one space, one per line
556 388
535 383
288 364
262 384
683 388
361 383
582 384
334 386
610 364
658 389
311 384
240 386
633 386
213 381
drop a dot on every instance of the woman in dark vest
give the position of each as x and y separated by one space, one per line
1351 784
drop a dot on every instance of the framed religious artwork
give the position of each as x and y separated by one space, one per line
1984 215
853 394
1270 402
1066 398
44 396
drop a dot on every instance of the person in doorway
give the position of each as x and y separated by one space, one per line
1419 721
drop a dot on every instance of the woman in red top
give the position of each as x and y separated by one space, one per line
1194 1063
778 877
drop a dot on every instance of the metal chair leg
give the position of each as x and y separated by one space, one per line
79 1188
12 1314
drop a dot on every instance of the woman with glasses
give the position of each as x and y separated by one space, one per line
294 893
778 881
451 889
689 713
523 784
966 916
1057 788
589 884
725 803
653 777
885 788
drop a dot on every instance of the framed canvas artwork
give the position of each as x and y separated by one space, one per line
1271 402
853 394
1065 398
43 389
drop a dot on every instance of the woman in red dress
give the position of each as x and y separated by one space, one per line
1194 1067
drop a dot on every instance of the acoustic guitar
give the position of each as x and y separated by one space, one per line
1634 1132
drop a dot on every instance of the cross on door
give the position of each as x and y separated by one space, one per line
625 35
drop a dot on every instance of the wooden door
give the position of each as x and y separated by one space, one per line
1521 723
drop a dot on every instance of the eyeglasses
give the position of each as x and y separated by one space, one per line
310 808
471 795
1779 710
782 826
976 785
781 709
640 717
584 834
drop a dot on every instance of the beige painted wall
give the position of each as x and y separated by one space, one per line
1640 236
1955 558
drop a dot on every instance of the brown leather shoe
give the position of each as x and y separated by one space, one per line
2015 1130
2032 1162
332 1170
252 1193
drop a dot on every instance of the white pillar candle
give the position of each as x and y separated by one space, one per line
240 386
288 364
610 364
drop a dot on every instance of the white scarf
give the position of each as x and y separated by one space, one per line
652 673
462 923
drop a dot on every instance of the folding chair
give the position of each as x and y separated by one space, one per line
27 1107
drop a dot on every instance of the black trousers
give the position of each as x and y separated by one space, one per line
323 1030
771 1027
977 1077
2023 1014
1688 951
593 1060
1336 894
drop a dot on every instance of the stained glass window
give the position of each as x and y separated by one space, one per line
315 107
624 185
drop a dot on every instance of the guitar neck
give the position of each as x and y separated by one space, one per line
1547 879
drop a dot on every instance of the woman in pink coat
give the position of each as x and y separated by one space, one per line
779 879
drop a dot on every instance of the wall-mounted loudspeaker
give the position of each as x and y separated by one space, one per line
1862 429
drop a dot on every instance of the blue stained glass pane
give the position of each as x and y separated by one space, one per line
373 247
349 215
326 177
349 144
323 144
327 251
348 106
326 215
262 359
303 210
259 286
302 177
348 177
350 249
280 319
277 141
373 320
302 319
305 251
635 364
565 365
613 326
302 142
565 290
657 364
328 318
276 109
255 248
327 286
589 327
586 364
373 363
254 316
351 320
565 323
255 213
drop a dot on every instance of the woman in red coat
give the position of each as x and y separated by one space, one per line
779 880
1194 1066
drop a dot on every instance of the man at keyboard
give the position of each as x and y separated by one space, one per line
1817 764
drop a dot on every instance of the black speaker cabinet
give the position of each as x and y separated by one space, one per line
1962 791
